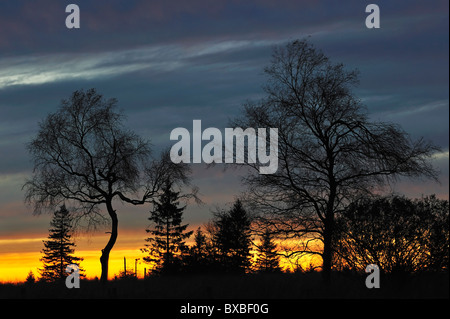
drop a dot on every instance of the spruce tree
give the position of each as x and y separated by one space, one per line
30 278
201 257
233 239
167 245
58 248
268 261
199 249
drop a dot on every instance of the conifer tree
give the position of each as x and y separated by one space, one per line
201 256
233 239
199 249
30 278
268 261
167 244
59 248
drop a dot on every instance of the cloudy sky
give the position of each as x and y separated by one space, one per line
169 62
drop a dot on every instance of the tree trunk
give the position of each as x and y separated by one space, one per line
327 252
327 255
104 259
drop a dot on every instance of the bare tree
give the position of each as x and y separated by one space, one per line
84 156
329 151
397 234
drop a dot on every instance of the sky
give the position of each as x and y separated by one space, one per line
170 62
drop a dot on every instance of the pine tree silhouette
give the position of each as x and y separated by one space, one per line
233 239
30 278
268 260
167 244
59 248
200 258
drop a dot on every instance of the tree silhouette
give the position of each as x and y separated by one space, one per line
398 234
200 258
329 151
30 279
268 260
200 244
59 248
437 231
85 157
167 244
232 237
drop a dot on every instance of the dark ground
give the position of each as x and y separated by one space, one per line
277 286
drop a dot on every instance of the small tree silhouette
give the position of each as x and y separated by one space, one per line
201 254
232 239
268 260
59 248
167 245
31 279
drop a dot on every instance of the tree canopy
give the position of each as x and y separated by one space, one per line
330 152
84 156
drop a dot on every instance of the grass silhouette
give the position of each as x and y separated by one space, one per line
254 286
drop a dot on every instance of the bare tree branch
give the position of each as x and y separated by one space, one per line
329 151
84 156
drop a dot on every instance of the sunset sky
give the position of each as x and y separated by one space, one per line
170 62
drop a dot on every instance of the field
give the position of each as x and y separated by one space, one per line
276 286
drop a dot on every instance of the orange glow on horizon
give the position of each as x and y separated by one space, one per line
19 256
16 266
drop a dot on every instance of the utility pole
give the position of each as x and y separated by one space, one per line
135 267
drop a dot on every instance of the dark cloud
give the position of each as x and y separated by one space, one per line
169 62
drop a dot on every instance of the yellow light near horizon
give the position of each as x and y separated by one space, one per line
19 256
14 267
16 259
